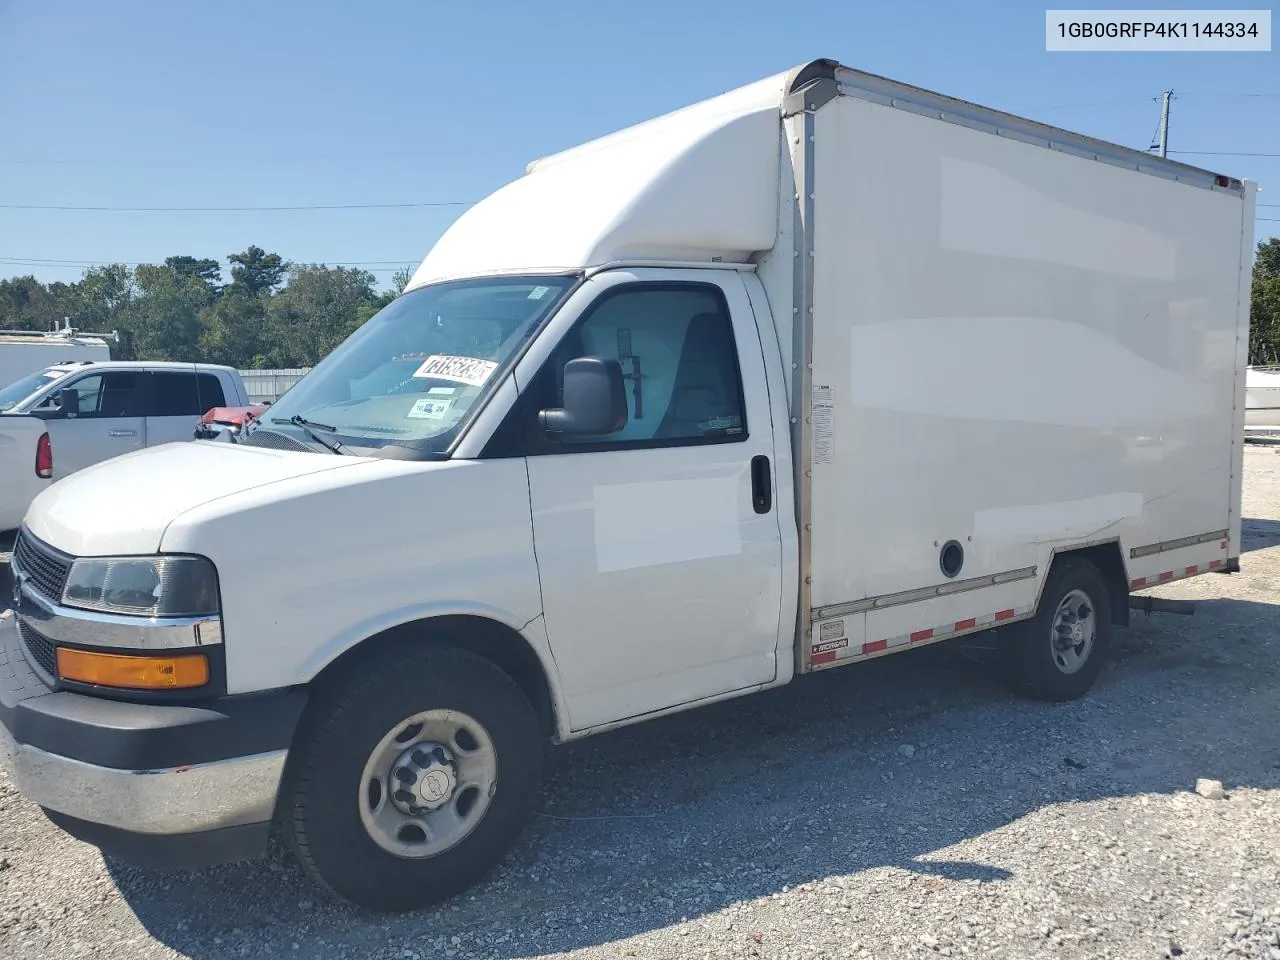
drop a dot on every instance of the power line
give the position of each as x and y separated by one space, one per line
1122 101
308 206
50 264
82 261
1223 153
1211 93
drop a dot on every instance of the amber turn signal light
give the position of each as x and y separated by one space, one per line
133 672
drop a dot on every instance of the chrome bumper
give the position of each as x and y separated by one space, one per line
176 800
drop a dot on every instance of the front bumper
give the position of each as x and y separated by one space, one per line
156 784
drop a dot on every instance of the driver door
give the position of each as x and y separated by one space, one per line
106 422
658 546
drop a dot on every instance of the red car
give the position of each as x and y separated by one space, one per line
232 420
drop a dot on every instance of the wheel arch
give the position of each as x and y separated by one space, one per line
499 643
1108 558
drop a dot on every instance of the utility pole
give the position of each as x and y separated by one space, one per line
1164 123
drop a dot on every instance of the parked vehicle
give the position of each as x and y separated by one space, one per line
814 372
82 413
228 422
1262 398
26 352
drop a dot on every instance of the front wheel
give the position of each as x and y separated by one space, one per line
412 781
1058 654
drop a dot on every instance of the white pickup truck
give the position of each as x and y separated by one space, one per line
69 416
814 372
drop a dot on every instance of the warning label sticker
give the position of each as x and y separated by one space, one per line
831 645
823 414
467 370
831 630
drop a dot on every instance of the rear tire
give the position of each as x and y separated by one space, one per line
1058 654
413 779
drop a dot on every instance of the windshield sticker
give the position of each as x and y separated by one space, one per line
537 293
467 370
447 391
428 409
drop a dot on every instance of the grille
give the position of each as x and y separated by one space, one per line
39 649
46 571
274 441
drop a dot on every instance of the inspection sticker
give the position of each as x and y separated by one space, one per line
429 409
831 630
458 369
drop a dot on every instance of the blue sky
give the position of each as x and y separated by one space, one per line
388 101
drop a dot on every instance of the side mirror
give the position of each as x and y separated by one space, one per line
69 401
595 399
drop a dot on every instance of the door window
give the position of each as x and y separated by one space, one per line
109 395
185 394
675 345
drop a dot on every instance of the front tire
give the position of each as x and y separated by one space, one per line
1058 654
412 780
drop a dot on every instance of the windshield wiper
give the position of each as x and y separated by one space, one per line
306 426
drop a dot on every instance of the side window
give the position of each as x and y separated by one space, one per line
184 394
89 390
210 394
679 363
109 395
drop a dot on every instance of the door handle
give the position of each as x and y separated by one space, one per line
761 485
124 433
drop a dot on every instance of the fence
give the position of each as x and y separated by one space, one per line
266 386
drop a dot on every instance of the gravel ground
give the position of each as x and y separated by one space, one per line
908 807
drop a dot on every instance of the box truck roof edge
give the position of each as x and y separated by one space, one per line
697 184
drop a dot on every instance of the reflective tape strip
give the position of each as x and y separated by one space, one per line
919 638
1182 574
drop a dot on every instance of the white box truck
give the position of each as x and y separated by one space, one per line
24 353
814 372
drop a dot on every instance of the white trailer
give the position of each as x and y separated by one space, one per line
26 352
819 370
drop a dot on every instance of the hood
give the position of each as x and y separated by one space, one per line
123 505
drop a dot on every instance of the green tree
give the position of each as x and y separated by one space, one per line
25 304
1264 305
101 302
318 309
164 320
256 272
231 329
231 326
207 271
1266 261
400 279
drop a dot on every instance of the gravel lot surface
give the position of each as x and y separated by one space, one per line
904 808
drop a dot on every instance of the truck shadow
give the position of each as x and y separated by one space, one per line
684 816
1258 534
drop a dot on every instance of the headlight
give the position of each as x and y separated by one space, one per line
144 586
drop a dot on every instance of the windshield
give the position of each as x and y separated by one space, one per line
16 392
409 376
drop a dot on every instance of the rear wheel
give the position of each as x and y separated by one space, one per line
1058 654
411 782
